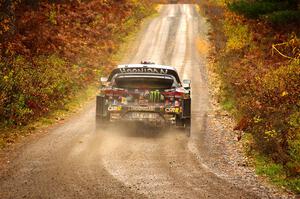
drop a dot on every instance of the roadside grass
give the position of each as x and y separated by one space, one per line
227 102
276 173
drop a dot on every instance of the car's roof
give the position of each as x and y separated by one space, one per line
158 66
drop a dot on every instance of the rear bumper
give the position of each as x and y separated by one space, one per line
153 114
152 118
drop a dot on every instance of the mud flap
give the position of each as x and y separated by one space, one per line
187 126
186 108
186 116
101 111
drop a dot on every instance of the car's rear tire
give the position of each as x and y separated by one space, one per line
101 113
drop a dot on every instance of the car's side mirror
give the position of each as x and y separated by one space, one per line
186 83
103 81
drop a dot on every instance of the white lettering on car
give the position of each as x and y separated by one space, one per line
140 108
143 70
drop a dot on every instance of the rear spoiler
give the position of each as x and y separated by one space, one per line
144 70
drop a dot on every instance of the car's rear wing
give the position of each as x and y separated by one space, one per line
144 70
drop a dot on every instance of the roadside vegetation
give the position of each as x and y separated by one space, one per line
53 51
256 52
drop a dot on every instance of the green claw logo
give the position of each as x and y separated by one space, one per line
155 96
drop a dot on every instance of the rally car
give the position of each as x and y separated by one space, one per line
147 93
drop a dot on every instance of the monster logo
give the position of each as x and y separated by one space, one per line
155 96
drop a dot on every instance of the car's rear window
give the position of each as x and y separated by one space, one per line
150 82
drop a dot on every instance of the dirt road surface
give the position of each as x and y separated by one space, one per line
75 161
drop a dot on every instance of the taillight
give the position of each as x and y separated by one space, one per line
175 94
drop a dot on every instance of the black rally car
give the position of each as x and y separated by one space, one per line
147 93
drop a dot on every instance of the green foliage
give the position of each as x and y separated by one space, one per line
282 82
238 35
141 9
283 17
294 152
52 16
274 11
264 167
227 98
29 89
276 173
294 142
257 8
228 104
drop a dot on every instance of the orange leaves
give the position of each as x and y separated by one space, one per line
265 86
284 93
56 49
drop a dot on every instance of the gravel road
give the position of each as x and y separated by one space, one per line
75 161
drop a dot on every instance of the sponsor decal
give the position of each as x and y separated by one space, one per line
144 70
141 108
114 108
124 100
155 96
172 110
